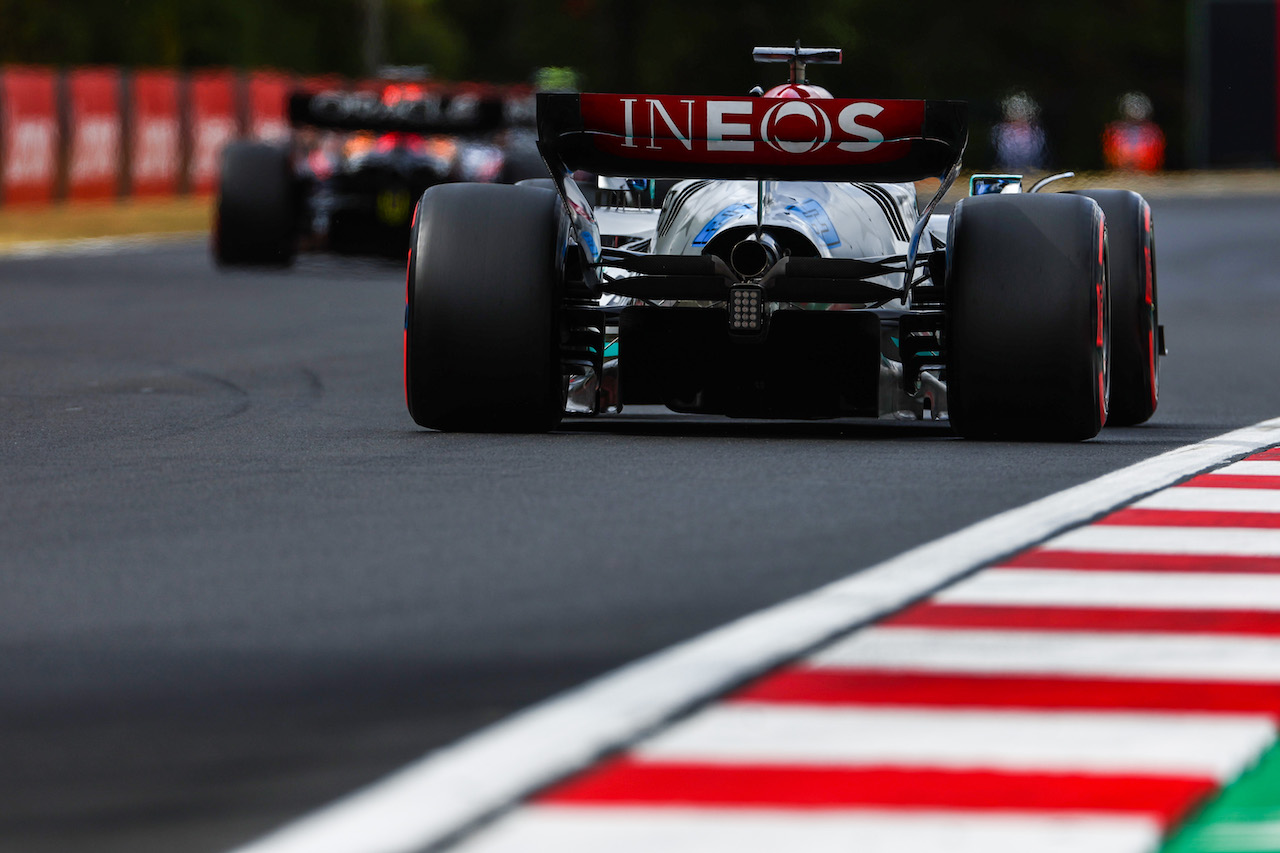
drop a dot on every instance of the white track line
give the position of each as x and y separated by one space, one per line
1214 500
453 788
1252 468
557 829
1203 746
1131 656
1066 588
1219 541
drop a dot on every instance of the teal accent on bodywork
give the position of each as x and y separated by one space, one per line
717 222
611 350
818 220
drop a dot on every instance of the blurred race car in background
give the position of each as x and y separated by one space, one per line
789 274
349 177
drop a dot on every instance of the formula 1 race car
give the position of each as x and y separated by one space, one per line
358 161
789 274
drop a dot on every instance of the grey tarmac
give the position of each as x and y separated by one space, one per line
237 581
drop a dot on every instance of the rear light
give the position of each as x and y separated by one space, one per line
746 308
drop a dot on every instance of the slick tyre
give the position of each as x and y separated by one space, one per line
1027 319
482 332
256 218
1135 319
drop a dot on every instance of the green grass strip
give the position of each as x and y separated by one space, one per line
1244 818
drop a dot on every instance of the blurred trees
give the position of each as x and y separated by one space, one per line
310 36
1074 59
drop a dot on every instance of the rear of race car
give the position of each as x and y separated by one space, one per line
358 161
1003 320
714 318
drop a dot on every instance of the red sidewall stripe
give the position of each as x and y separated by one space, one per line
1100 323
1153 374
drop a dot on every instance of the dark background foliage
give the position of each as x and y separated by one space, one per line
1075 58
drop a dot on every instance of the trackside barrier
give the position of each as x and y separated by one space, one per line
94 135
100 133
29 135
268 97
155 134
213 123
105 132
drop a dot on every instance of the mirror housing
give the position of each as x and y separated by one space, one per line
995 184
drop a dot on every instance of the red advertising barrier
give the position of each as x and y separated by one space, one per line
159 134
155 134
268 105
93 130
28 134
213 123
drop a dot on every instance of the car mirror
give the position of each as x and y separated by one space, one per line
995 184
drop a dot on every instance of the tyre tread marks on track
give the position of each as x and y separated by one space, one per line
1148 641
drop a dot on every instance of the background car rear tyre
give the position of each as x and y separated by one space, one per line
1135 319
482 339
256 218
1026 329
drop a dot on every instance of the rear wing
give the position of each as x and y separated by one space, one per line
426 113
757 138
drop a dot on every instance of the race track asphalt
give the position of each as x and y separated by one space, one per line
237 581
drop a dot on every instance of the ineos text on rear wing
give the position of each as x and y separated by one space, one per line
678 136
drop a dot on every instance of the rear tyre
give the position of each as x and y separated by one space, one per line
1027 319
482 332
1135 323
256 218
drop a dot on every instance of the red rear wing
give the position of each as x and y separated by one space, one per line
687 136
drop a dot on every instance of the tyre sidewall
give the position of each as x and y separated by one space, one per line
1027 317
482 305
1135 363
255 221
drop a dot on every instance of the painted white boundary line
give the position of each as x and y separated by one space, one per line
448 790
95 245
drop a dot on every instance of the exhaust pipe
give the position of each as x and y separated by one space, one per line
752 257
